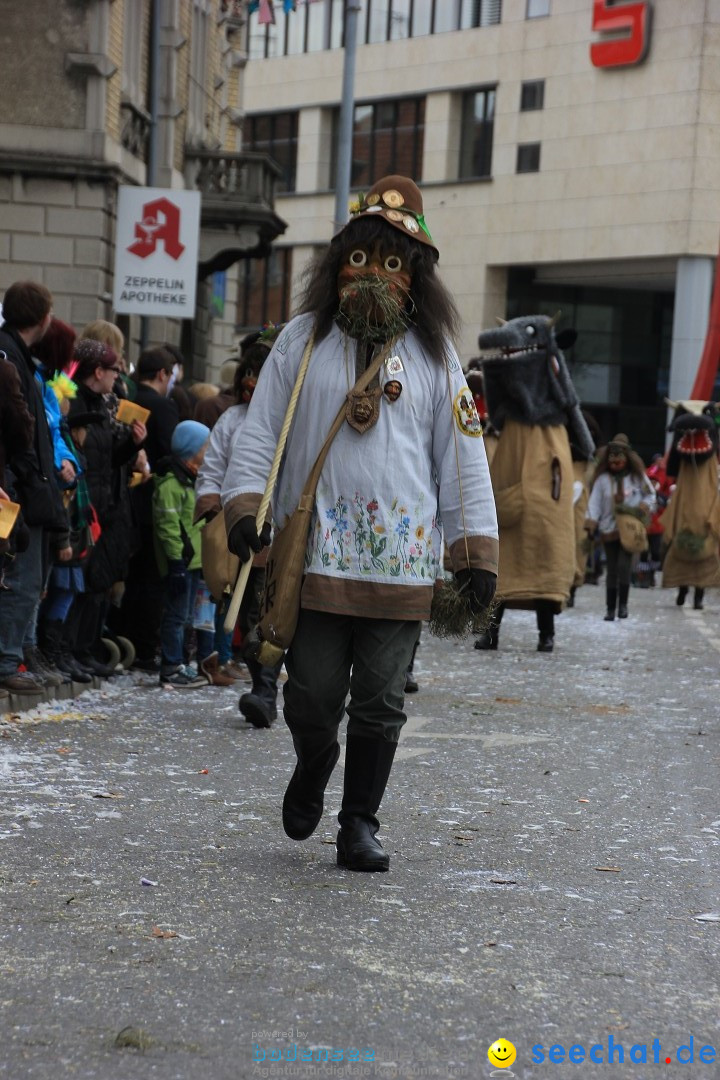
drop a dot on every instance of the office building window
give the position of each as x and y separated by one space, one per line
476 137
315 26
275 134
532 95
265 287
528 157
537 8
387 138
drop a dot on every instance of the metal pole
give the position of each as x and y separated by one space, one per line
347 109
154 109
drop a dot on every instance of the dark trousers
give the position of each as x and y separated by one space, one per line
18 601
139 615
618 564
333 655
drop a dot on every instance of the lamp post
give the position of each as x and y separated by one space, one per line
345 133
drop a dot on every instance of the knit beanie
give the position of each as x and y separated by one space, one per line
188 439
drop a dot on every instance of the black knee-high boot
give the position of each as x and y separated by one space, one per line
698 599
611 595
303 803
367 769
545 617
623 593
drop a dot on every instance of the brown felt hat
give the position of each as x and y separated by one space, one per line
397 200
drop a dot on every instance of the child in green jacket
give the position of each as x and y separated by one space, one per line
177 549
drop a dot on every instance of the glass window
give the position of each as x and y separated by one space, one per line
296 30
532 95
337 15
476 136
422 18
387 138
537 8
317 26
447 16
490 12
265 289
378 12
275 134
400 20
528 158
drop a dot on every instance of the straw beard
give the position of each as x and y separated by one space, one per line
372 307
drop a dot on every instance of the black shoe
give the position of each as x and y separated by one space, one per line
94 667
303 802
358 848
487 640
680 598
622 611
148 663
411 686
255 711
698 599
609 616
546 644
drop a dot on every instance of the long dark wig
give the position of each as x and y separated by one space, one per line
431 311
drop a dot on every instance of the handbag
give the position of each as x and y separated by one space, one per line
219 565
280 607
632 533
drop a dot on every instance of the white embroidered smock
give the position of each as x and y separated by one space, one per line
384 497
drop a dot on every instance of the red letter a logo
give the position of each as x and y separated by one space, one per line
161 221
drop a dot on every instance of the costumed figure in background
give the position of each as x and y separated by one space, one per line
407 450
259 706
691 521
621 496
533 405
583 470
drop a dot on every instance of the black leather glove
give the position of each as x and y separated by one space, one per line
479 587
243 538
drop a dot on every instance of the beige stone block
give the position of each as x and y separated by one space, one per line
64 222
42 250
21 218
46 191
4 247
91 253
92 196
19 271
85 282
86 309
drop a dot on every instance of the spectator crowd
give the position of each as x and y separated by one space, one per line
100 534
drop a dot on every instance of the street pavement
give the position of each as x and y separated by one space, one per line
552 822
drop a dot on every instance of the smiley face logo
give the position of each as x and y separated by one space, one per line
501 1054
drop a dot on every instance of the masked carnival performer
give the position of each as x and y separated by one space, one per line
691 521
621 485
532 403
408 452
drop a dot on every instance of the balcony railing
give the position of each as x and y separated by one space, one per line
238 178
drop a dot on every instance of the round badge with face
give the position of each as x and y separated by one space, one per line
392 389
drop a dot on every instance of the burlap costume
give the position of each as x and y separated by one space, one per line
537 531
694 508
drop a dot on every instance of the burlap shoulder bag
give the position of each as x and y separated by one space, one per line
632 533
219 565
286 561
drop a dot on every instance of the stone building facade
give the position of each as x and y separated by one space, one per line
76 124
549 182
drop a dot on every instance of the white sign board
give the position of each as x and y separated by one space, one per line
156 252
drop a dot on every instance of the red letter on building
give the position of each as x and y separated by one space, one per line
632 22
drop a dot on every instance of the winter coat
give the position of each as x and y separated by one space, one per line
176 535
107 453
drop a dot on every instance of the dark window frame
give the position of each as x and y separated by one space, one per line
286 182
528 158
532 95
247 287
376 131
488 131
